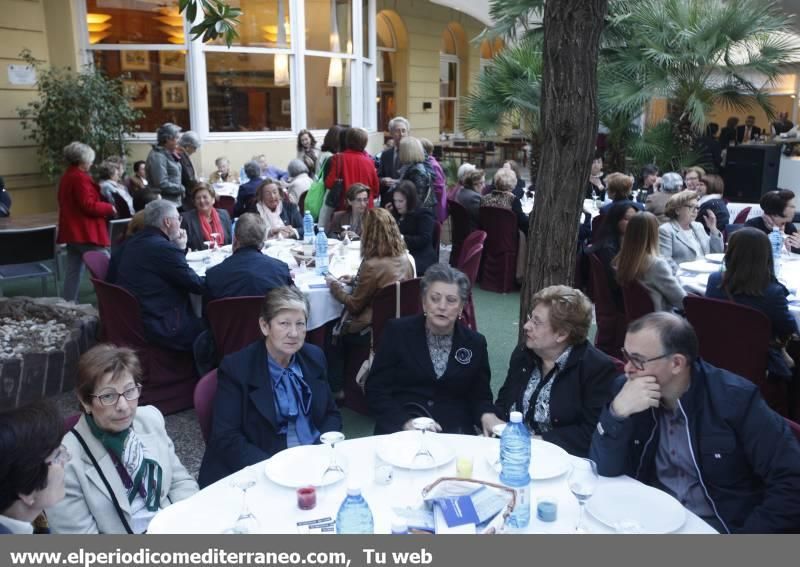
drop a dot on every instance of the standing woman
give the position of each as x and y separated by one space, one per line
557 378
353 165
432 365
82 215
412 168
272 394
639 260
123 468
188 144
415 224
204 220
164 165
307 151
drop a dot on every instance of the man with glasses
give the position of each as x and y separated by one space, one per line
700 433
151 264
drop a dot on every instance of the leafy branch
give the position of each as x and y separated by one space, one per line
219 19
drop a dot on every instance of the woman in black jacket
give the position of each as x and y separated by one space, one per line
557 379
416 225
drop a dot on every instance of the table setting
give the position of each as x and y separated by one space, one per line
300 489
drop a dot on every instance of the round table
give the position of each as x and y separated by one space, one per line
215 508
694 282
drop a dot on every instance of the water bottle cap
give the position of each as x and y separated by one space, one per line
516 417
308 212
353 488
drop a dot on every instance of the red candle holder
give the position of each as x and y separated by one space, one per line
306 498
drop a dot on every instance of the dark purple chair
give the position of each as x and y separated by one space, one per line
437 238
719 326
226 202
742 216
168 375
597 224
459 228
470 263
384 305
234 322
70 421
97 264
637 300
499 266
203 397
611 323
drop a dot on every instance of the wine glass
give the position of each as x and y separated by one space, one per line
207 258
246 523
582 480
334 470
215 240
423 457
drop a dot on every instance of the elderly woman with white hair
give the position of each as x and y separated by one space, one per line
188 144
223 173
412 168
164 164
461 174
299 180
505 180
82 214
671 183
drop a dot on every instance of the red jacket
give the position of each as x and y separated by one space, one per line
82 213
353 167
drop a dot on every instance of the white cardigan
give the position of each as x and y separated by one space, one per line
87 507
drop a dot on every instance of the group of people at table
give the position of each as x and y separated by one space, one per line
669 419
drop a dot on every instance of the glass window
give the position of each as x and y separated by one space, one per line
134 21
242 95
448 94
260 23
321 33
326 105
155 82
366 32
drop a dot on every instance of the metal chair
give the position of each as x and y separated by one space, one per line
24 251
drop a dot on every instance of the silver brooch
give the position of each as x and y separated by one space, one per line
463 356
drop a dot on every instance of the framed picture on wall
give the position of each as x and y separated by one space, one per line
173 94
171 62
140 93
134 61
286 106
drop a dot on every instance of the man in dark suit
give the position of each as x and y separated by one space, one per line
152 266
749 131
247 190
247 272
389 168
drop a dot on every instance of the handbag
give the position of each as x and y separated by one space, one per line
316 193
334 195
366 366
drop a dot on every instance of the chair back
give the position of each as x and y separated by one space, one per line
70 421
226 202
123 210
27 245
437 237
204 393
234 322
120 315
97 263
597 224
719 326
637 300
460 228
498 270
117 230
795 428
742 216
384 305
611 324
472 251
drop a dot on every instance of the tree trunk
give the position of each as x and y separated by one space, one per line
568 132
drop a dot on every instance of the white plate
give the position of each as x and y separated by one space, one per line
700 266
398 449
303 466
717 257
650 510
547 459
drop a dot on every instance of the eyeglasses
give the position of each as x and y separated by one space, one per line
111 398
637 362
61 457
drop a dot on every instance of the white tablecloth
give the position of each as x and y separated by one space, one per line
216 507
226 189
790 277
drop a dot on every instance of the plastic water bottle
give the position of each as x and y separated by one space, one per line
776 243
354 516
321 253
515 460
308 228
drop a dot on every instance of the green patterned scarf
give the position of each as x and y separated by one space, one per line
129 450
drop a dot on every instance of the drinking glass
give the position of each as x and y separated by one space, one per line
331 438
246 523
215 241
423 457
582 480
207 257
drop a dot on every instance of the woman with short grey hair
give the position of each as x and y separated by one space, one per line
432 365
110 174
164 165
188 144
82 214
299 180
